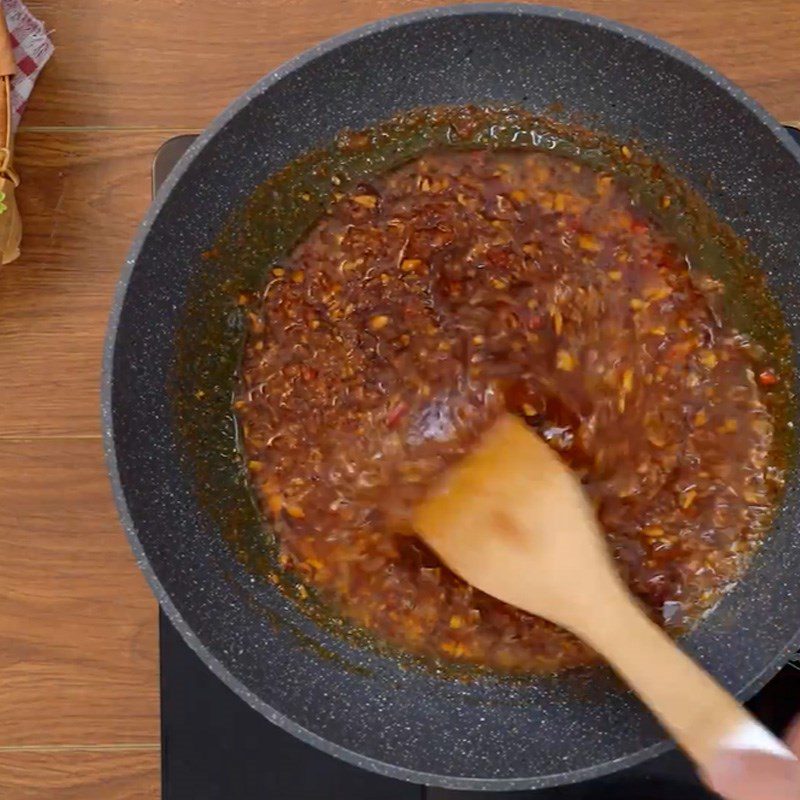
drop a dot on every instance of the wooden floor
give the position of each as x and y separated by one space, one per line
78 663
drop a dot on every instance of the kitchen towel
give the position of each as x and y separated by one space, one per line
32 49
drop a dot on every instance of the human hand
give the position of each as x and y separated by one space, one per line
753 775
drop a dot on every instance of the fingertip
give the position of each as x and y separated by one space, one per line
751 775
793 737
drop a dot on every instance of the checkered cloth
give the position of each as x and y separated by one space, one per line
32 49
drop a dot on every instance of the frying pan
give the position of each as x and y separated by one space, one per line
360 704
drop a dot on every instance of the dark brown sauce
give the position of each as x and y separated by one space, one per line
426 301
287 205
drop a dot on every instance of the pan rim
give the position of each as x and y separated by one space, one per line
158 203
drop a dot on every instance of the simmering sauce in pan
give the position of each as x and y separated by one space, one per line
455 287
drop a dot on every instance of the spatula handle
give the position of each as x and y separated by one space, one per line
702 717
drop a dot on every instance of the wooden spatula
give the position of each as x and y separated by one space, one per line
512 520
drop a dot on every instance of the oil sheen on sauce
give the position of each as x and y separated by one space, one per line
463 284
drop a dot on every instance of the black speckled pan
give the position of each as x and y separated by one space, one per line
409 723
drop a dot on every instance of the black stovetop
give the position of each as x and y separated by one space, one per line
215 747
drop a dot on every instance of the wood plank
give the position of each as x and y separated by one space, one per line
78 642
82 197
80 775
181 63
